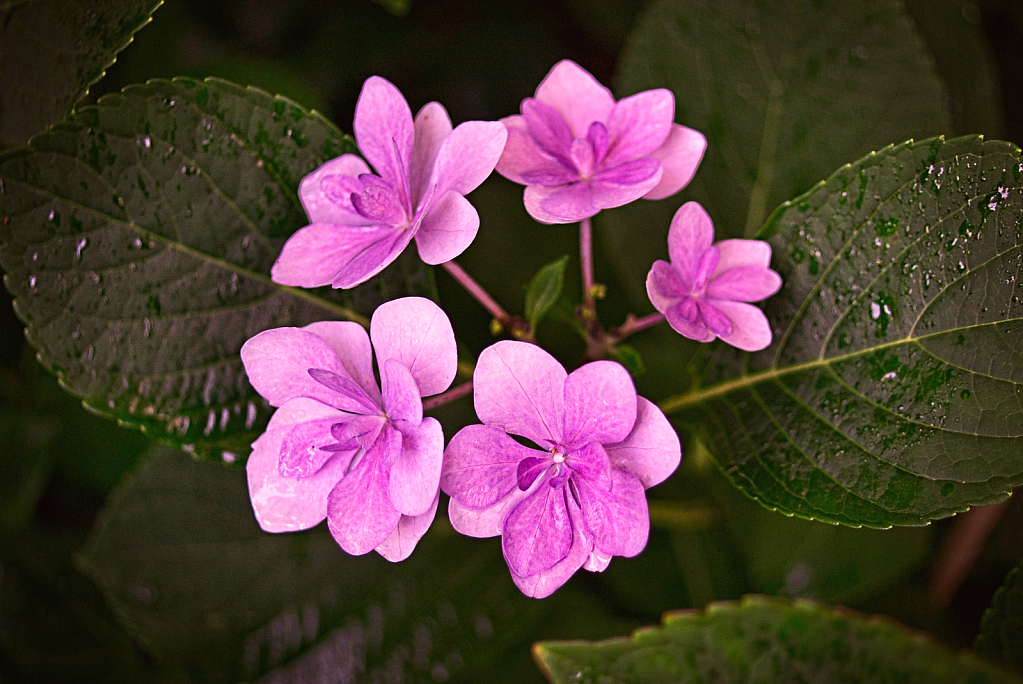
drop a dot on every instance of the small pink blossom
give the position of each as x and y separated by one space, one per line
576 500
361 222
578 151
702 291
340 448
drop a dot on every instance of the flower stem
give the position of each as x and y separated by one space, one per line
452 394
476 290
586 258
634 325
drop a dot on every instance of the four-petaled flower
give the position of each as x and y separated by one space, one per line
702 291
578 151
578 499
338 447
361 222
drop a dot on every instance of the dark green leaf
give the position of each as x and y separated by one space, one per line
138 240
765 640
180 558
889 394
544 289
1001 630
628 356
52 51
785 93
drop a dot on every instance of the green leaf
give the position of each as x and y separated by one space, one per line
544 289
785 93
888 396
1001 629
138 240
628 356
52 51
179 556
765 640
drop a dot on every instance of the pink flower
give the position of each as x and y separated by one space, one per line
578 151
576 500
701 292
338 447
361 222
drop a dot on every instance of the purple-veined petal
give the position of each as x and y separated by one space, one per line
373 259
359 509
519 388
537 532
583 157
617 516
744 284
416 332
560 203
468 156
690 235
300 452
319 253
548 130
385 131
715 321
522 155
346 387
694 330
480 466
591 463
484 522
529 469
597 136
546 582
578 97
448 228
600 404
415 474
357 432
638 125
324 206
621 185
286 504
664 286
401 396
742 253
277 362
705 266
379 204
549 176
750 329
410 529
652 451
689 309
432 126
350 342
680 155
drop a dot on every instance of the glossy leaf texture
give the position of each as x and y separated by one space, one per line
180 558
543 290
52 51
138 238
1001 629
785 92
891 394
765 640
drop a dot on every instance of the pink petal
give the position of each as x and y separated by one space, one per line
300 455
546 582
548 130
402 541
447 230
744 284
537 533
742 253
750 329
618 518
680 155
350 342
690 235
664 286
286 504
468 156
485 522
416 332
373 259
715 321
577 96
320 207
519 388
401 395
694 330
522 155
432 126
415 475
638 125
359 509
591 463
385 131
277 362
614 190
652 451
480 466
318 254
560 203
600 404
